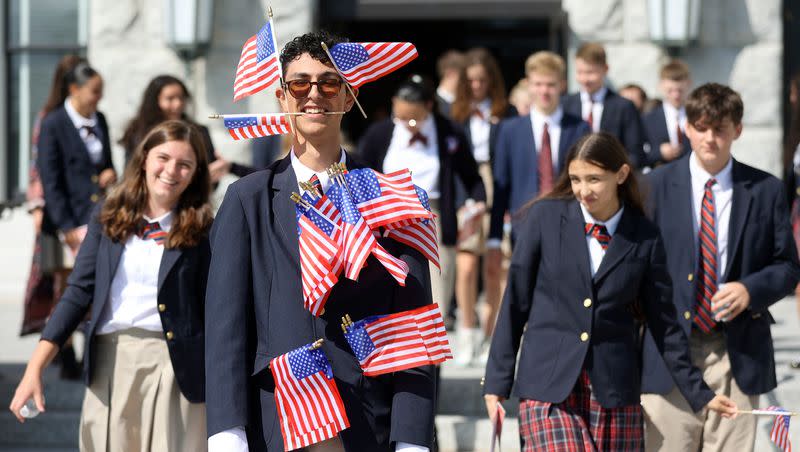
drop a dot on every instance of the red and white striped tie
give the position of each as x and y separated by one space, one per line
707 270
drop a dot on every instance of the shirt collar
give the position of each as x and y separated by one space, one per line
700 176
598 97
304 173
672 111
554 119
164 221
446 95
485 106
77 119
610 224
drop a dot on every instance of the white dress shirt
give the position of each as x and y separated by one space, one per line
235 439
133 297
447 96
479 129
595 102
723 200
92 141
674 117
421 159
304 173
596 251
553 121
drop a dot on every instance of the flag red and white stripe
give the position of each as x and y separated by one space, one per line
384 199
363 62
780 429
258 66
420 236
256 125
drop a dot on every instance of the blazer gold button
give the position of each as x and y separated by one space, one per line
95 178
587 303
94 197
690 277
483 381
170 335
687 315
162 307
584 336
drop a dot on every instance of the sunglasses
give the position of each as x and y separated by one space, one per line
328 88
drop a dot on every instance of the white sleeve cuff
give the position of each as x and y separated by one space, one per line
493 243
405 447
231 440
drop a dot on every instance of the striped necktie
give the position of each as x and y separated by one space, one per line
707 270
152 230
599 232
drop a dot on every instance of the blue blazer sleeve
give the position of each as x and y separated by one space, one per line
49 161
671 341
516 306
227 317
501 173
413 403
775 280
77 297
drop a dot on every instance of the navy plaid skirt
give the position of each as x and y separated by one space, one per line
579 424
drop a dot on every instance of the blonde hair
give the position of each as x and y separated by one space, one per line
546 62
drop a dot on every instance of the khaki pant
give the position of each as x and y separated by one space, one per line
670 424
134 403
442 282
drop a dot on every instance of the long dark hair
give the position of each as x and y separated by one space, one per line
462 106
604 150
149 113
123 210
59 88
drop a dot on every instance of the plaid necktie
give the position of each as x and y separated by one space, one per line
707 270
599 232
152 230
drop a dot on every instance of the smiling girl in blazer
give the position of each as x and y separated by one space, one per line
142 272
586 261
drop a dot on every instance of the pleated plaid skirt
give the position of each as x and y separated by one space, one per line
579 424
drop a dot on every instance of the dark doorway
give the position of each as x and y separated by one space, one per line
509 40
791 64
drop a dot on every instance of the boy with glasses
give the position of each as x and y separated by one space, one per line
254 309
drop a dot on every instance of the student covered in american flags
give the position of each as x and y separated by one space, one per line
255 312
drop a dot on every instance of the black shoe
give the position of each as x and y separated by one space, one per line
71 369
795 363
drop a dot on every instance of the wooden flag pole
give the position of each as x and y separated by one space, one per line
299 113
349 88
768 413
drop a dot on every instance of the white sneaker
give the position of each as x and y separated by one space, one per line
482 356
465 346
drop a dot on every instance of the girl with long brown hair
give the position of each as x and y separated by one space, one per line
142 273
585 261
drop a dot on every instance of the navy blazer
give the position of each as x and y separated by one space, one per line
254 312
620 118
455 160
516 164
761 255
655 127
550 288
182 276
69 177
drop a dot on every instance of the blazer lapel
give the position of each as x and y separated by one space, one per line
113 255
168 260
74 136
283 184
679 206
621 244
566 138
740 207
573 242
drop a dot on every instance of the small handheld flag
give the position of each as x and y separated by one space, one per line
256 125
383 199
363 62
258 65
780 429
419 234
310 409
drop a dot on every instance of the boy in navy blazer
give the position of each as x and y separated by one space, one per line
254 308
731 255
665 125
601 107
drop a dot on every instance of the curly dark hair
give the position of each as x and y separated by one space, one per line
309 43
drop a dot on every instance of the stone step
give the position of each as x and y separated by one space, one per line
473 434
461 393
51 429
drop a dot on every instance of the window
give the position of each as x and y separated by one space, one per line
37 34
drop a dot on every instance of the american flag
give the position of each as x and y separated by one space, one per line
358 241
309 405
780 430
258 66
395 342
418 234
320 256
384 199
260 125
362 62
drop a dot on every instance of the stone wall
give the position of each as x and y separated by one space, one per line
126 45
739 45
